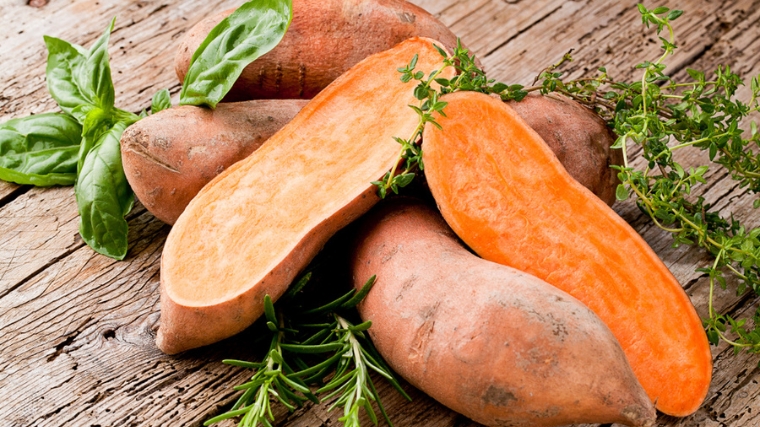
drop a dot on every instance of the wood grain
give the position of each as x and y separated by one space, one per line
78 328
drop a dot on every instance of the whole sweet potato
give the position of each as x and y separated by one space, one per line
495 344
325 38
169 156
578 137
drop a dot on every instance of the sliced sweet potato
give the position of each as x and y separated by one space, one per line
578 137
490 342
256 225
505 194
169 156
325 38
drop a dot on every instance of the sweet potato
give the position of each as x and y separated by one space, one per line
578 137
169 156
325 38
490 342
256 225
505 194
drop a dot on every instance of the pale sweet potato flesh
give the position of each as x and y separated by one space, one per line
255 226
505 194
325 38
169 156
493 343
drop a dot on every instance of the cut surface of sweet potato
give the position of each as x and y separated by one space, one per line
505 194
495 344
255 226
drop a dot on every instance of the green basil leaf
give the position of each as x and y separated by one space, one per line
64 61
161 101
251 31
40 150
104 196
94 75
77 77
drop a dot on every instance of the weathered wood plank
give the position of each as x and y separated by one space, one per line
79 327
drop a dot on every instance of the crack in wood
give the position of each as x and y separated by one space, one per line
522 31
14 194
38 271
70 338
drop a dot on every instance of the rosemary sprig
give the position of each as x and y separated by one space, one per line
661 116
313 346
269 381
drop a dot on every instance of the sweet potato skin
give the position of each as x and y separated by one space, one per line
495 344
251 230
169 156
325 38
510 200
578 137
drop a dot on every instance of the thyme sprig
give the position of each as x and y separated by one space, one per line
428 91
661 116
317 347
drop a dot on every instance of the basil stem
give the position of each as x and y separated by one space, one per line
252 30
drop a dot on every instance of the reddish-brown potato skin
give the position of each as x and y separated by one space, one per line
325 38
492 343
169 156
578 137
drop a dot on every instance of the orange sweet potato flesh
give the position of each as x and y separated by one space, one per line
505 194
169 156
325 38
255 226
578 137
493 343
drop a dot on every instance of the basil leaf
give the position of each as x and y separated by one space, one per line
77 77
252 30
40 150
104 196
64 61
161 101
94 75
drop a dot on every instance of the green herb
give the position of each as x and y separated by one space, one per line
80 81
161 101
662 116
252 30
273 379
40 150
313 346
104 197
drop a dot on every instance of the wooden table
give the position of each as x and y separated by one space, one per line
77 328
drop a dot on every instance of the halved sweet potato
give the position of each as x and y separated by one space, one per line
490 342
325 38
255 226
169 156
505 194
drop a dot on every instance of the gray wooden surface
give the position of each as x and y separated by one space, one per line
77 328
